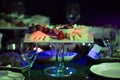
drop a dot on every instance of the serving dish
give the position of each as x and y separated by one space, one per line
108 69
50 55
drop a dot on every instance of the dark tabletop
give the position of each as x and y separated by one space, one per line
81 65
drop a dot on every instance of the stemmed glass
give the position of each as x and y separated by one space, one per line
29 54
18 7
110 38
73 12
59 70
17 10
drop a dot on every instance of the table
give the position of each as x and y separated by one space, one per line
80 63
82 71
82 67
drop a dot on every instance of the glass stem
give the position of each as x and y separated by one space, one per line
28 76
29 72
110 51
60 55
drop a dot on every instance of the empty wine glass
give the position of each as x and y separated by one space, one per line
59 70
17 10
18 7
110 38
73 12
29 54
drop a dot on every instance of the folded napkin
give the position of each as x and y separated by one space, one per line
9 75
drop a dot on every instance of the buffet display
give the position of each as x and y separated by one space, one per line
60 36
38 30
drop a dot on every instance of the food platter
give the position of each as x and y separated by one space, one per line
109 70
53 39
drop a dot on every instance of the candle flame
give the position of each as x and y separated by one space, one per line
39 49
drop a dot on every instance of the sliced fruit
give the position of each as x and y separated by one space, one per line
38 36
60 35
21 23
46 30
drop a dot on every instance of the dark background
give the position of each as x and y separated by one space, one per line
93 12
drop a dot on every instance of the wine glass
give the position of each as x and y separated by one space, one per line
110 38
29 54
17 11
59 70
18 7
73 12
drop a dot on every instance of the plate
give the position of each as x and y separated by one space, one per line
9 75
50 55
109 70
89 39
22 69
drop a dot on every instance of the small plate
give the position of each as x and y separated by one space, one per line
109 70
9 75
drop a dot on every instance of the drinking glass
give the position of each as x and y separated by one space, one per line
17 11
59 70
29 54
18 7
73 12
110 38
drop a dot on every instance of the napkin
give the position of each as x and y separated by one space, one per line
9 75
94 52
